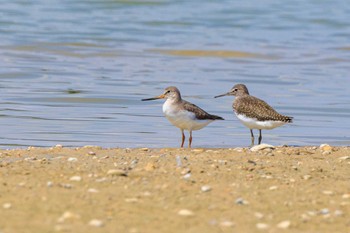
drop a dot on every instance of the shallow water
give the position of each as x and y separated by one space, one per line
73 72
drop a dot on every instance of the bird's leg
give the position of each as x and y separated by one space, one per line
252 138
260 136
183 138
190 140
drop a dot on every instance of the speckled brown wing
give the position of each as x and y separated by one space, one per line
200 113
253 107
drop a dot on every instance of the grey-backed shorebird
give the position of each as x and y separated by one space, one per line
254 113
183 114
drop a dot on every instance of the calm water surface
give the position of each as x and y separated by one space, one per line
73 72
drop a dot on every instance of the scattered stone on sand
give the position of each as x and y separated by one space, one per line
144 149
227 224
66 186
325 147
178 161
185 213
116 172
328 192
273 187
187 176
324 211
59 146
7 205
284 224
68 216
262 226
35 190
338 213
75 178
91 153
92 190
205 188
198 150
261 147
72 159
343 158
241 201
96 223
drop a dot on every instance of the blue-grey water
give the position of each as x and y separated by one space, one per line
73 72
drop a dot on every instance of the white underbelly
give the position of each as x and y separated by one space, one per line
255 124
185 120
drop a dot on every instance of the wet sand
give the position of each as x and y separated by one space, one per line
90 189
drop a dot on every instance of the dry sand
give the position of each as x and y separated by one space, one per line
90 189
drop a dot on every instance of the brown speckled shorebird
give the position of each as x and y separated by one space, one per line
183 114
254 113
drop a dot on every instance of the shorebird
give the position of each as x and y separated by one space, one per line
183 114
254 113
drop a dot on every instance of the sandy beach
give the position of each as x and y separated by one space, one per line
92 189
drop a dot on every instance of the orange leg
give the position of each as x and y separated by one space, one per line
190 140
183 138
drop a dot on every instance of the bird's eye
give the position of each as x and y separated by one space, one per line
235 89
167 92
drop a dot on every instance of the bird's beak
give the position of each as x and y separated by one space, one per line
162 96
228 93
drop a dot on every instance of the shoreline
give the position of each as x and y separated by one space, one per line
95 189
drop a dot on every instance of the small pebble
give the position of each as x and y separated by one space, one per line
72 159
284 224
185 171
344 158
262 226
187 176
261 147
116 172
205 188
338 213
96 223
7 205
49 184
241 201
197 150
145 149
185 213
346 196
178 161
273 188
67 186
91 153
306 177
92 190
227 224
327 192
325 147
68 216
324 211
75 178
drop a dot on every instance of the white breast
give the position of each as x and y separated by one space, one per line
253 123
183 119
